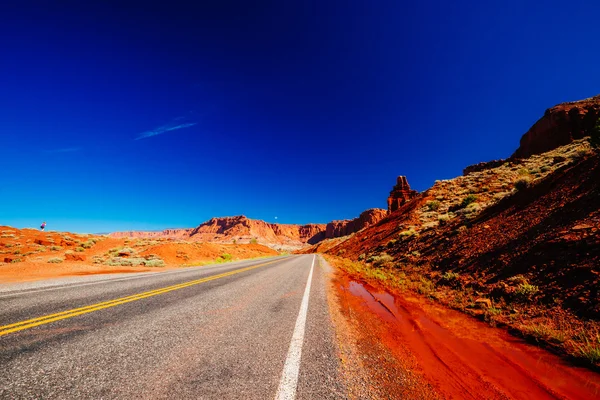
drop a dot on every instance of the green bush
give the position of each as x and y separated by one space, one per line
361 257
79 249
55 248
55 260
525 291
433 205
226 256
468 200
253 241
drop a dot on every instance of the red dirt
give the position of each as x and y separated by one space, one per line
25 254
460 357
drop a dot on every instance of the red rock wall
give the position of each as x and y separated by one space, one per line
347 227
559 126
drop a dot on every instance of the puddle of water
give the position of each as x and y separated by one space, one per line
467 358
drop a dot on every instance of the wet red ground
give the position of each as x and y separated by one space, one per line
462 358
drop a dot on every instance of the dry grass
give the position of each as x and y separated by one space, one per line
554 328
482 189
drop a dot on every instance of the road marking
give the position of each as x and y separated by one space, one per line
139 275
46 319
291 369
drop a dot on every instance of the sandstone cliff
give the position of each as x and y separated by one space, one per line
559 126
240 229
346 227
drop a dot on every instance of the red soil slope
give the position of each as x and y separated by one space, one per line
28 254
548 233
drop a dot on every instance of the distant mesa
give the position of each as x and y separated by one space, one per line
400 194
559 126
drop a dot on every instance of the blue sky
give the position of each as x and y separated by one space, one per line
138 116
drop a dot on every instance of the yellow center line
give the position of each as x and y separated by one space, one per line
46 319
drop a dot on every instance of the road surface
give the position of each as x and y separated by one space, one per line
255 329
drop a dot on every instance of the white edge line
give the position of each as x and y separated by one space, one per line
289 377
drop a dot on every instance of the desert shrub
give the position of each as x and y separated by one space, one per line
8 245
55 260
226 256
590 350
425 287
155 263
523 172
253 241
525 291
522 184
381 260
88 244
361 257
545 168
17 252
79 249
391 243
126 262
55 248
468 200
17 260
407 234
126 251
97 259
433 205
450 276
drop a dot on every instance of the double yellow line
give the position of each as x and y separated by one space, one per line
46 319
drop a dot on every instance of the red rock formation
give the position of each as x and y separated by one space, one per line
560 125
400 194
347 227
240 228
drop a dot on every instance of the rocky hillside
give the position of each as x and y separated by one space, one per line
515 242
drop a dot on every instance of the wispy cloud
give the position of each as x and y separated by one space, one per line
173 126
64 150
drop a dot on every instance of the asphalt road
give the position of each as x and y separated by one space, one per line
230 331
